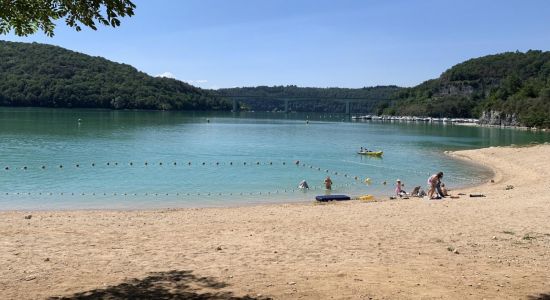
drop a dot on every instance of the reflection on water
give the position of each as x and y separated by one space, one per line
220 158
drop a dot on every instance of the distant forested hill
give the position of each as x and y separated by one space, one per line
49 76
510 89
306 99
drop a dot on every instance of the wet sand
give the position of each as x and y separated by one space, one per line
494 247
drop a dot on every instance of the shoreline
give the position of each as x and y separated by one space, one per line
521 128
490 247
493 173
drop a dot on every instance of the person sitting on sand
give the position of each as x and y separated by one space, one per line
442 190
418 192
303 185
328 183
433 182
415 191
421 193
399 189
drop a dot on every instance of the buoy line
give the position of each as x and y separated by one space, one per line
177 194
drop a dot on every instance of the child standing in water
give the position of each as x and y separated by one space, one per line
328 183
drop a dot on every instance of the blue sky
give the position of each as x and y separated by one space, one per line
344 43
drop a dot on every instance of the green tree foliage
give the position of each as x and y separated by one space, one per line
513 82
26 17
305 99
50 76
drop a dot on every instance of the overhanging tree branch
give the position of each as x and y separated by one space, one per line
26 17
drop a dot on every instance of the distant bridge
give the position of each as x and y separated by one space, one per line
287 100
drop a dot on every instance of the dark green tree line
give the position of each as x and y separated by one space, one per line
50 76
307 99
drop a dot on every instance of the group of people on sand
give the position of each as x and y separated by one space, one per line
436 188
435 184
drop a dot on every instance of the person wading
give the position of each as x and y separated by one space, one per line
328 183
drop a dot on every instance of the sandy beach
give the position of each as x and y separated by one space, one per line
494 247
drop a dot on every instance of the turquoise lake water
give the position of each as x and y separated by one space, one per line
148 159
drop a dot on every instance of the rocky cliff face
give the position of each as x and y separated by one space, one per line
498 118
452 89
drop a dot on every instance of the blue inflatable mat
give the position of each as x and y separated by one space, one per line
326 198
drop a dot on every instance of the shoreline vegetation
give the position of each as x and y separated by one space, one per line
41 75
497 246
509 89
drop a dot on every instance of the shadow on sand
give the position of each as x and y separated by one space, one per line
545 296
169 285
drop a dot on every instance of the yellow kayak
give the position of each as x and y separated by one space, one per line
371 153
366 197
